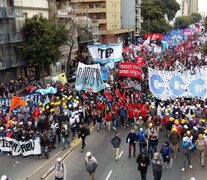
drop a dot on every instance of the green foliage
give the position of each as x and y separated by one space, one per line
184 21
205 22
43 37
153 17
205 48
169 7
196 17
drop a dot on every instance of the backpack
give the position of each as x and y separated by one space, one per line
61 165
87 131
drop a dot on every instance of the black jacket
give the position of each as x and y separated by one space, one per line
131 138
143 163
116 141
82 133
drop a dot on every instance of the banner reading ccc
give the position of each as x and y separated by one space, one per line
89 77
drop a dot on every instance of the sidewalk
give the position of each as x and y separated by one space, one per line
197 172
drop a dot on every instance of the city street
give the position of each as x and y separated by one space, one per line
99 145
19 168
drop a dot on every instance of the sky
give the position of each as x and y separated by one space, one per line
202 6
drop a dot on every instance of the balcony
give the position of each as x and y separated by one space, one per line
101 21
90 10
85 38
64 13
82 1
10 37
11 61
117 31
4 38
17 61
11 12
15 37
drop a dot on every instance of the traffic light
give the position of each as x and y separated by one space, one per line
128 40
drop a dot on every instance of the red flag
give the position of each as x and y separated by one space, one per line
16 102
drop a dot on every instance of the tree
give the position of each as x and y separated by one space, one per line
43 37
205 22
153 18
183 22
195 17
169 7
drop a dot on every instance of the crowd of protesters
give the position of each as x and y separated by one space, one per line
68 114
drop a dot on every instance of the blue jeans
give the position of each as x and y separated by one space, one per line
65 142
152 150
98 125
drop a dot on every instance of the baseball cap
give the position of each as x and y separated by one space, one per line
88 154
59 159
4 177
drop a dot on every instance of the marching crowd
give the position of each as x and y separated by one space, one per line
68 114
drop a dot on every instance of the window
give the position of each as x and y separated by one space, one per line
25 15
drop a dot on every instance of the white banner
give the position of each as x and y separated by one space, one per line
106 53
26 148
89 77
172 84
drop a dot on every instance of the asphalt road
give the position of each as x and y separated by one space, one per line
19 168
126 169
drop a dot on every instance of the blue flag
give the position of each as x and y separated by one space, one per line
47 100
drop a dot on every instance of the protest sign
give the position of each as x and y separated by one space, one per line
89 77
26 148
35 98
105 73
173 84
105 53
140 60
129 69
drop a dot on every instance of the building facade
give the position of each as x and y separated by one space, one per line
189 6
108 15
193 6
11 20
12 17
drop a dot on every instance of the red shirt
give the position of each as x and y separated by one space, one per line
136 113
108 117
130 113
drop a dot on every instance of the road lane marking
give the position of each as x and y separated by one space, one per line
108 176
28 177
74 144
120 154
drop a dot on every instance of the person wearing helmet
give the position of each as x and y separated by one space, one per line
186 149
5 177
142 139
90 164
201 148
169 125
201 126
189 136
177 126
60 170
174 140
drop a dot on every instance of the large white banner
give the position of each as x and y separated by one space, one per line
89 77
26 148
172 84
106 53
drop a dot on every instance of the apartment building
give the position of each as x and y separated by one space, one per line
12 18
193 6
108 15
11 61
189 7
